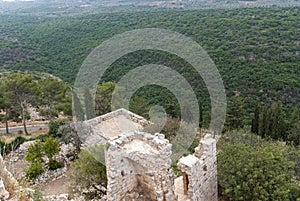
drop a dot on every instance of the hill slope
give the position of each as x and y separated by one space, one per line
256 50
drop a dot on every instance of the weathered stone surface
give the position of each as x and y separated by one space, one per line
137 161
3 192
6 178
109 126
200 172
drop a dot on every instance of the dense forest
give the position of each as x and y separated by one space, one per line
256 50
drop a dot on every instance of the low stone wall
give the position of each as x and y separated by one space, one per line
6 181
134 117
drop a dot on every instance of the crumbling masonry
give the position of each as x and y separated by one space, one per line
140 162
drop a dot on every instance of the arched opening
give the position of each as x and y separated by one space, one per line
185 179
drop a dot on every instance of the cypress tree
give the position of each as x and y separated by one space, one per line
89 104
263 125
77 108
255 120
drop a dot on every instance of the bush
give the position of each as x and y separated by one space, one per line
54 126
50 147
17 142
2 145
255 172
53 165
6 148
34 153
34 170
88 172
48 113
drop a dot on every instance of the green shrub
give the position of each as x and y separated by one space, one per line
17 142
6 148
2 118
250 173
53 165
38 196
54 126
34 170
34 153
88 171
51 147
2 145
48 113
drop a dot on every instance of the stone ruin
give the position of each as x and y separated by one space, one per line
199 172
140 164
142 160
3 192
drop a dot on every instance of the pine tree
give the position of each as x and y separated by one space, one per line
23 91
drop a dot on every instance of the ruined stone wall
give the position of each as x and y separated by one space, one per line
200 172
143 160
6 178
134 117
3 192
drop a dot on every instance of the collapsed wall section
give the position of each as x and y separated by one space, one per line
199 172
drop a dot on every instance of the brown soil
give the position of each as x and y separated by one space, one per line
58 186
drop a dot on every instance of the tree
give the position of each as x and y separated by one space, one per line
293 133
22 90
77 108
272 122
5 102
200 116
255 120
89 103
53 96
235 113
250 173
139 106
51 148
277 124
53 91
103 97
264 122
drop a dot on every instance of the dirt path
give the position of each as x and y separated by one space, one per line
58 186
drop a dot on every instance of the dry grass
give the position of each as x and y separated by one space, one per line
7 138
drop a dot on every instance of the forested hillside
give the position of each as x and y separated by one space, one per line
257 50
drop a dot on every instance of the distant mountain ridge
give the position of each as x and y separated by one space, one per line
71 7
